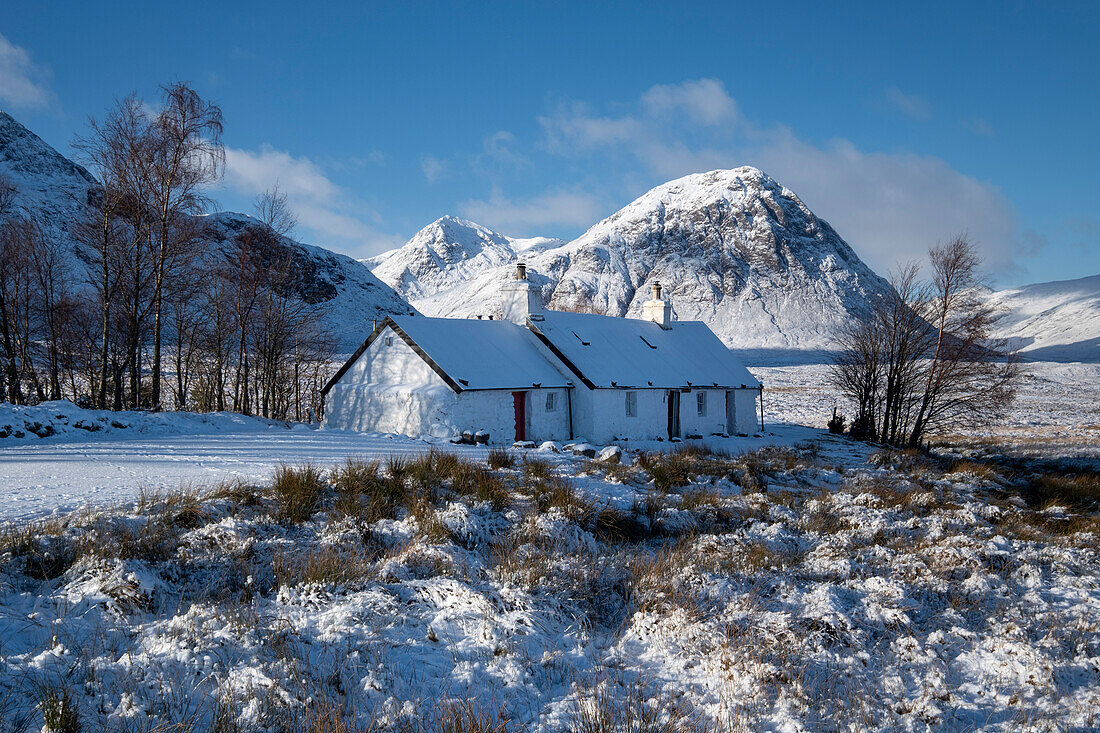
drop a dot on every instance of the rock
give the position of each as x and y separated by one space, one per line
481 437
549 447
525 444
583 449
610 454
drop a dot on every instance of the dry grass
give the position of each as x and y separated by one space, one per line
470 716
501 458
1077 490
59 712
473 480
600 710
365 493
298 491
322 565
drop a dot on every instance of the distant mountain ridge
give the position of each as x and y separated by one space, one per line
733 248
1053 321
54 190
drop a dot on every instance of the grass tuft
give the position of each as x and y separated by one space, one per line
298 491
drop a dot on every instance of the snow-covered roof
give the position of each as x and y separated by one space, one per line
604 351
471 354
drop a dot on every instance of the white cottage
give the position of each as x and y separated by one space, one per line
545 375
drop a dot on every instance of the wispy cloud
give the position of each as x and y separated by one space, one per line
433 168
980 126
322 206
532 216
910 105
22 82
500 148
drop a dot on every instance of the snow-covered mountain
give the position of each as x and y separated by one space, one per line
54 190
1054 321
733 248
442 260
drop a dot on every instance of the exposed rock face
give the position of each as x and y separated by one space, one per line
733 248
55 190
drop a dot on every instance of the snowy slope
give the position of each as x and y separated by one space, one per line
734 248
54 190
1055 321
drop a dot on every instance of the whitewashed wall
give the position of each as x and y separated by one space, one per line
390 389
600 415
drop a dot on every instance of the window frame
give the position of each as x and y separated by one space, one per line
631 403
551 403
701 404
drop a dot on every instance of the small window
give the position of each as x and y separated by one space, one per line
701 403
389 341
551 401
632 404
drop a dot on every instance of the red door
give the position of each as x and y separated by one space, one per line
519 400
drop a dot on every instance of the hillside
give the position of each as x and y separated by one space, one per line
1053 321
54 190
734 249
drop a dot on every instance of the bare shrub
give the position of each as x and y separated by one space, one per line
298 491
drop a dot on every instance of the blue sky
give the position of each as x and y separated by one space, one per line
901 126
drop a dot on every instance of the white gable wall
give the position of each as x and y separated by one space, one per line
391 389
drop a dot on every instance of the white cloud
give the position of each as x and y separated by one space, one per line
433 168
704 101
889 206
500 148
323 207
532 216
910 105
22 82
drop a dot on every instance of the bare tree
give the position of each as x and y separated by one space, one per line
187 155
925 360
970 376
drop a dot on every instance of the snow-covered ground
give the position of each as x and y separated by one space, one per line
813 588
805 582
1056 412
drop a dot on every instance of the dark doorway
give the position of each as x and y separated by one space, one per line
731 412
519 400
673 414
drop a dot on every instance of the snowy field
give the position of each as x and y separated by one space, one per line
1056 412
800 582
820 587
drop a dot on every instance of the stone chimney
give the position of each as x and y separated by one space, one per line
658 309
520 297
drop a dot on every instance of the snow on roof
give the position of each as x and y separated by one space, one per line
482 354
626 352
